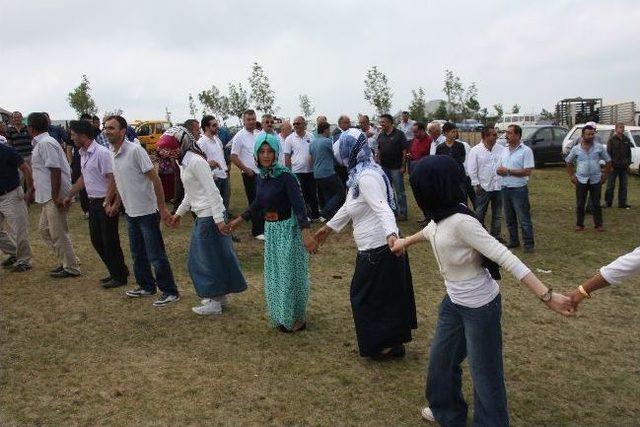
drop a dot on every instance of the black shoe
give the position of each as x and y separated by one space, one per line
105 279
113 284
19 268
63 274
625 207
396 352
284 329
57 270
512 245
529 250
9 261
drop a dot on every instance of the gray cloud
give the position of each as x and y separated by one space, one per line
143 56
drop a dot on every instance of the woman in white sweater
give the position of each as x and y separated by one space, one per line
469 315
382 298
212 262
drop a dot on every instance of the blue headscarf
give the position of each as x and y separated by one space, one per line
276 169
352 150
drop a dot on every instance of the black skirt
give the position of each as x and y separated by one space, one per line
382 300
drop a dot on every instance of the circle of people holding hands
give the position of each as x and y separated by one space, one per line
291 179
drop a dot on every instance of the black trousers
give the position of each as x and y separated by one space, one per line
83 196
594 191
105 239
310 193
257 220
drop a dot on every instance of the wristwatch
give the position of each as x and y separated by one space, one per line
546 297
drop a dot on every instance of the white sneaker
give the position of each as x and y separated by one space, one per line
213 307
427 415
260 237
205 301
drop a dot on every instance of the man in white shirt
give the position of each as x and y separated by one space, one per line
268 122
141 192
52 181
434 129
211 146
242 156
298 159
482 163
370 131
344 123
406 125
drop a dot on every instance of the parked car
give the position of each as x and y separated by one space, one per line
605 132
149 131
544 141
469 125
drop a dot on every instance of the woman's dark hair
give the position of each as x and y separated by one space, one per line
38 122
82 127
448 127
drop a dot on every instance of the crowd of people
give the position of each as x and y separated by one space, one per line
293 178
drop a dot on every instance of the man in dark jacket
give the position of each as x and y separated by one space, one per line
619 148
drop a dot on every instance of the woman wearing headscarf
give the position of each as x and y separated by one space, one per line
287 234
381 292
469 315
212 262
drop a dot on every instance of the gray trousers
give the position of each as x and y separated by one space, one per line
14 226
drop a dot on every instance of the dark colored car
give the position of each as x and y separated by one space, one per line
545 142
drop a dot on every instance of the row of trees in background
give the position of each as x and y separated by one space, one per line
461 101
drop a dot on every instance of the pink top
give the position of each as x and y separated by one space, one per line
95 163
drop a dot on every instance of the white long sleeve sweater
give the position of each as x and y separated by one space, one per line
458 243
200 192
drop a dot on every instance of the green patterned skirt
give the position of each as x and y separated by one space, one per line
286 272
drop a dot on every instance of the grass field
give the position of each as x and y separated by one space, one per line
75 354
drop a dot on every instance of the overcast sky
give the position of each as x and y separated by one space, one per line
143 56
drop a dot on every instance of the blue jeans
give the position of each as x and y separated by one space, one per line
483 198
475 332
517 210
333 193
147 249
225 193
397 182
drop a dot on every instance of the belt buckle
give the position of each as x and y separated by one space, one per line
271 216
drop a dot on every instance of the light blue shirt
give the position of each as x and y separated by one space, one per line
519 158
588 162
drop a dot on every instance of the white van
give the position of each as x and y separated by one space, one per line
515 119
605 132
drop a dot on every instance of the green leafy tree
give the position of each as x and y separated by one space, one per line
377 91
499 111
417 108
471 104
262 95
515 109
441 113
547 115
238 100
80 98
167 114
454 92
214 102
193 110
306 107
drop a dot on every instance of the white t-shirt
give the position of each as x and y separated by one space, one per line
242 145
622 268
212 148
130 164
298 148
47 153
370 212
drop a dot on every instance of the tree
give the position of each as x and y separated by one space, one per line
80 98
262 95
214 102
441 113
305 106
238 100
454 92
515 109
499 111
193 110
417 108
482 115
547 115
114 112
167 114
377 91
471 104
